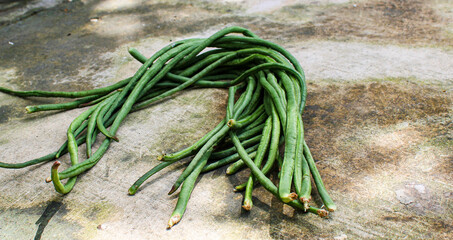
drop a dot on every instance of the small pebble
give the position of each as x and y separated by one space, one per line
102 226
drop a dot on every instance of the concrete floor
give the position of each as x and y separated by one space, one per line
378 118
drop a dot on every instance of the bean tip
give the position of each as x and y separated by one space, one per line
132 190
239 188
173 220
247 206
131 49
29 109
331 208
172 190
229 171
55 165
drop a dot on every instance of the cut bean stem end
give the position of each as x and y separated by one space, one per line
173 220
247 205
289 198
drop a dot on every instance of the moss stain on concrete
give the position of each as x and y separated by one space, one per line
91 216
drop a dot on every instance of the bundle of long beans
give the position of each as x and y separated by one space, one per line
266 98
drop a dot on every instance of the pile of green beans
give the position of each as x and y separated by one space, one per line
266 98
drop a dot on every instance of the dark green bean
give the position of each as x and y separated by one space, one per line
257 114
215 37
230 102
272 92
99 120
287 171
61 106
198 157
47 158
305 192
133 189
235 167
192 80
262 149
92 124
250 132
204 82
254 102
297 178
37 93
227 152
264 43
330 205
186 190
276 139
232 158
73 152
58 185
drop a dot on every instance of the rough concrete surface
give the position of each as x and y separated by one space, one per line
378 118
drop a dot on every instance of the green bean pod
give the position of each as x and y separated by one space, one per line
261 152
92 122
326 199
227 160
61 94
287 171
229 151
186 190
198 157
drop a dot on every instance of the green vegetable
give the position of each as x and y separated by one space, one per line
266 98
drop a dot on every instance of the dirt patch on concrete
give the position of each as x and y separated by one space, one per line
396 21
381 103
412 22
363 127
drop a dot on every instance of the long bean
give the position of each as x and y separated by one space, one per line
330 205
262 149
61 94
287 171
199 157
72 149
186 190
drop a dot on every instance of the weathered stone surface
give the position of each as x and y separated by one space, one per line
378 119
